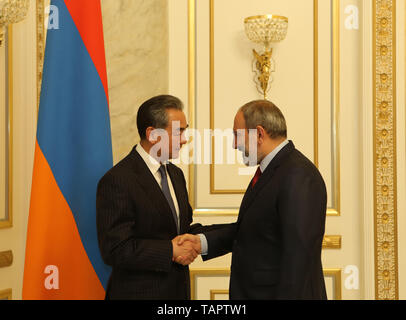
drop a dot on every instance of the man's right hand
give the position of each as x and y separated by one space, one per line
186 248
185 252
195 239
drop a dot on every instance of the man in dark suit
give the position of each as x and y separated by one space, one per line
142 206
277 240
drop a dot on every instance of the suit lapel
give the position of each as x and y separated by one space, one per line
180 195
252 192
151 188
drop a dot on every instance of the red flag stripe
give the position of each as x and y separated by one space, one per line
92 37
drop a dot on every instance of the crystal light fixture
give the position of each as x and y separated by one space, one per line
11 11
265 30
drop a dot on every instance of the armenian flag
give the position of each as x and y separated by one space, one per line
73 151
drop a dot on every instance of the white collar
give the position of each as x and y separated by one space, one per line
267 160
150 161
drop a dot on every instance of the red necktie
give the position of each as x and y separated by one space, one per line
256 177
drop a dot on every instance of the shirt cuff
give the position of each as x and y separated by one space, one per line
203 244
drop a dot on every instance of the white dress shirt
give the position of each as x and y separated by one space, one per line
154 166
267 160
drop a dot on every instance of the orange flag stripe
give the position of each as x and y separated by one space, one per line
51 219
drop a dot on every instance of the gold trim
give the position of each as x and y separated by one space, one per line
316 81
6 294
234 212
332 242
333 213
336 209
6 259
213 293
40 45
266 16
336 275
11 124
215 212
192 88
213 189
384 99
225 272
8 223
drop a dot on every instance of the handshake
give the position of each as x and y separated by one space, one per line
186 248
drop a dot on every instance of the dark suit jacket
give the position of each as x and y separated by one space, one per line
135 227
277 240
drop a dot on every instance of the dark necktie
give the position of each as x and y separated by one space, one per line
256 177
167 193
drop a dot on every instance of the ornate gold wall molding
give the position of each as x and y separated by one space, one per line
194 273
8 221
6 259
384 84
214 293
6 294
192 89
335 274
40 44
332 242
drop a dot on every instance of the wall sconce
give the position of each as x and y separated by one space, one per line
11 11
265 30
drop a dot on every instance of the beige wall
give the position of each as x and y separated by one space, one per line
148 52
136 40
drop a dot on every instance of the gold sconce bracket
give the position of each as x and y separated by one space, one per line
265 30
263 68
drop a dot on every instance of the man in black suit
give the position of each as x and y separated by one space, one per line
277 240
142 206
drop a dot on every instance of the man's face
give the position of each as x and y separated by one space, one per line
176 132
242 139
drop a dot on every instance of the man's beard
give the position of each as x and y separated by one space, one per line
249 160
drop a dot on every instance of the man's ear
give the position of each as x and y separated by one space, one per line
261 134
149 134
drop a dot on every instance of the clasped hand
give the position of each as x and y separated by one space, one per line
186 248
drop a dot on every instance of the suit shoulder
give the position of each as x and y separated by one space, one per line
298 164
300 160
120 170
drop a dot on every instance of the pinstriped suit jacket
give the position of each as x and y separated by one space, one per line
135 227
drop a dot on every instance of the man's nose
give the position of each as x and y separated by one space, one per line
183 139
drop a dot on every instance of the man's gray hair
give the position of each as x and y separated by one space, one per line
152 113
267 115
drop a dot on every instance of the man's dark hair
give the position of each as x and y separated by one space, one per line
266 114
152 113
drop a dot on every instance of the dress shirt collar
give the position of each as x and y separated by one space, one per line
150 161
267 160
